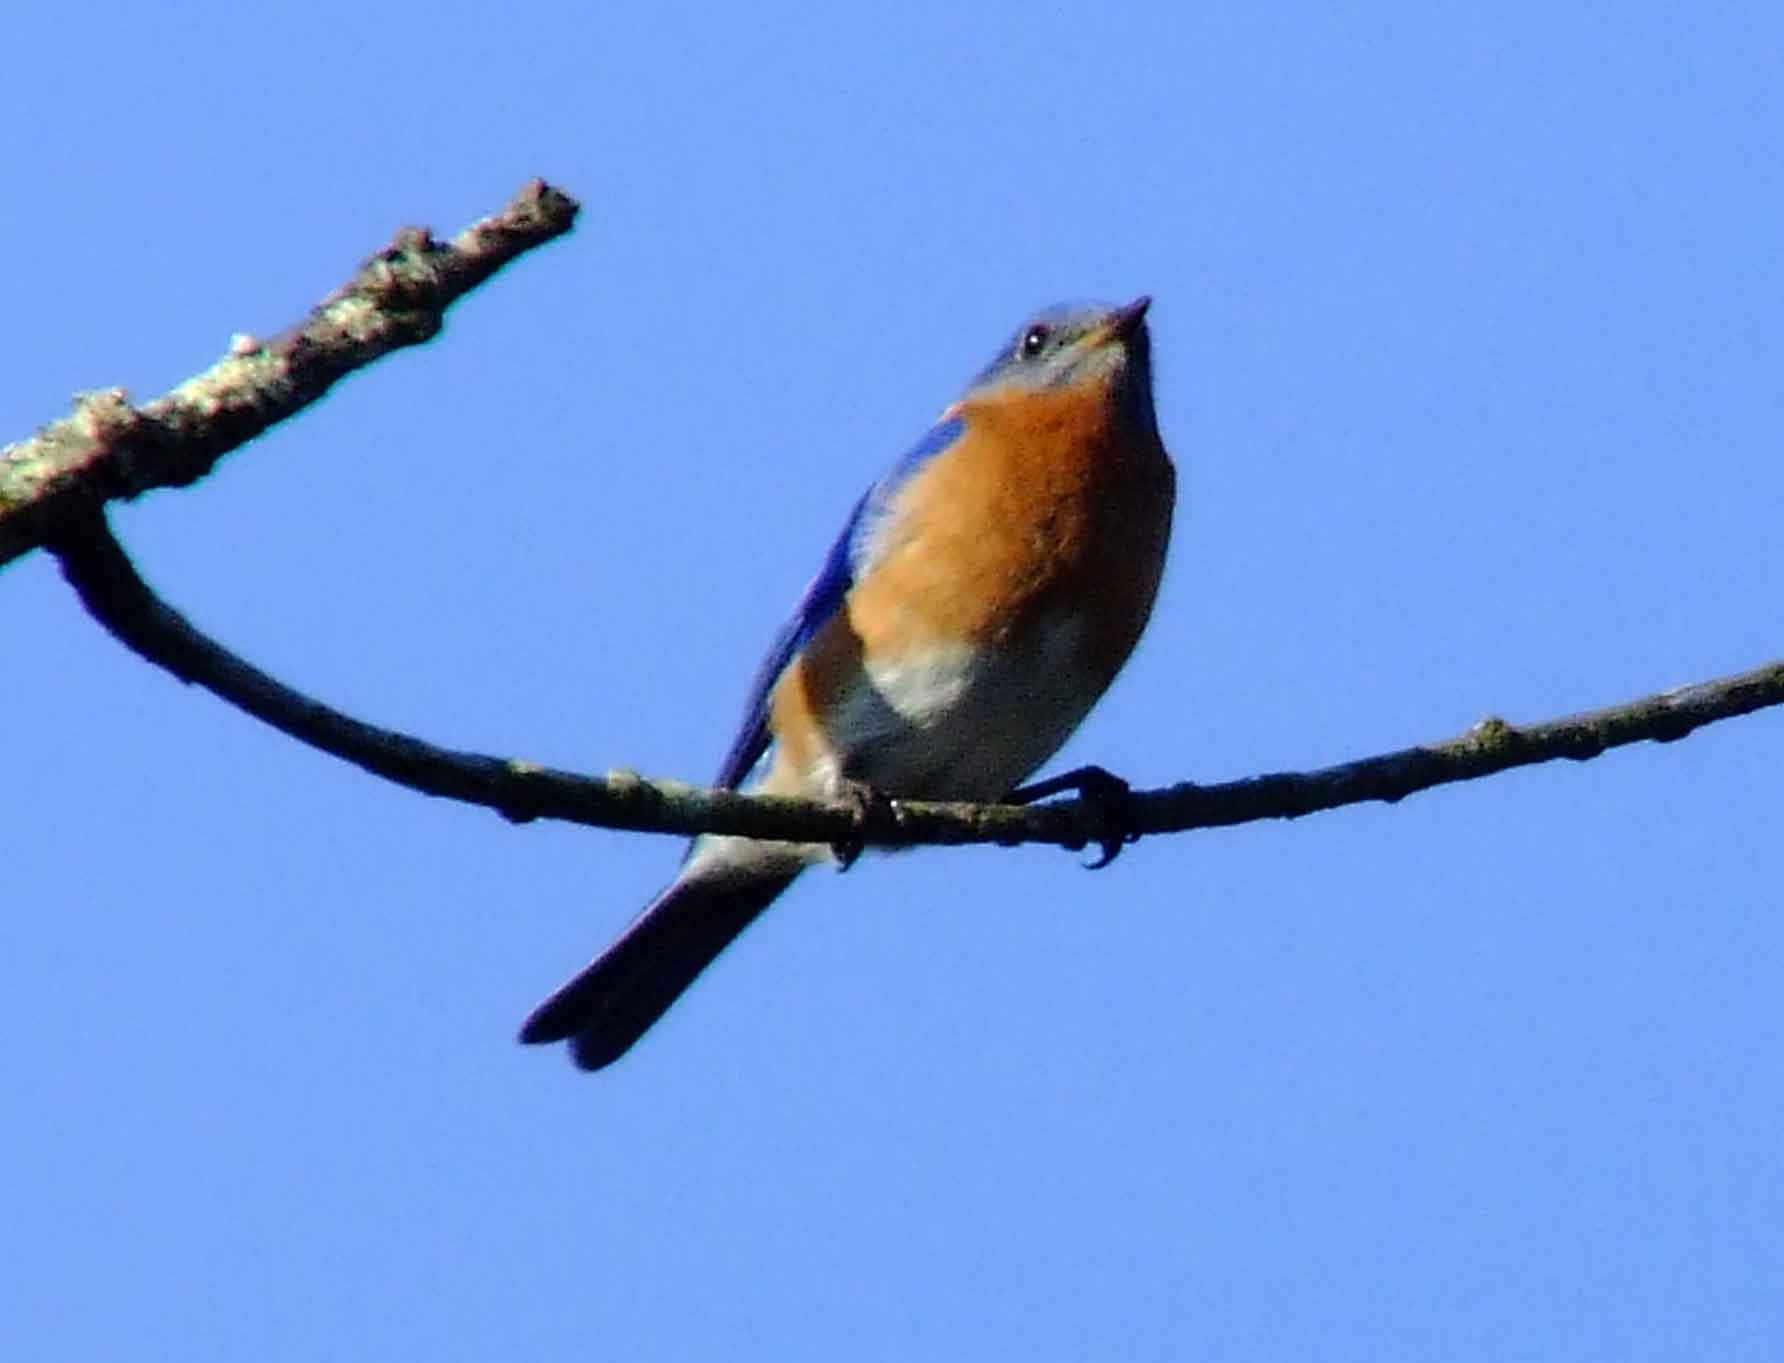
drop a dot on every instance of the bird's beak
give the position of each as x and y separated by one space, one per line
1126 321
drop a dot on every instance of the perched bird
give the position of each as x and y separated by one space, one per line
979 600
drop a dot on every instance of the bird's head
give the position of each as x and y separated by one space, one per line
1072 345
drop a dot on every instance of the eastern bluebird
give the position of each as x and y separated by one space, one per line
980 599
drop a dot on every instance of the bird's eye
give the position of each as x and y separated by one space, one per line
1034 340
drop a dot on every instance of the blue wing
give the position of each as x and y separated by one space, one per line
849 557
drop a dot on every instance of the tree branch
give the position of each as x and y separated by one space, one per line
97 567
109 450
54 487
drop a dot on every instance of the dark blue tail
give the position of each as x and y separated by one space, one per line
617 997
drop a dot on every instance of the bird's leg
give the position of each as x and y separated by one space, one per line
1108 797
867 800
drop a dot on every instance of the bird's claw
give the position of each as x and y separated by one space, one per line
1108 797
867 800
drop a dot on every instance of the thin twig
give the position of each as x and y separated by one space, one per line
110 450
96 565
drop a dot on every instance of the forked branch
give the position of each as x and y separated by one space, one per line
54 487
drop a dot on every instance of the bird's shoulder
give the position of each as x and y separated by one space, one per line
850 556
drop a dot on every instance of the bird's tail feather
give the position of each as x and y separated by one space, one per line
620 994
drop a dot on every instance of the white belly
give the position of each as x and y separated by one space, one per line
961 723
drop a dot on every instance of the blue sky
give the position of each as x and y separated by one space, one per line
1469 325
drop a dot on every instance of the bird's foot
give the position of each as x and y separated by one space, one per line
1108 798
868 801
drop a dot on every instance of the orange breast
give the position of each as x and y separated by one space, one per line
1045 505
1039 514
